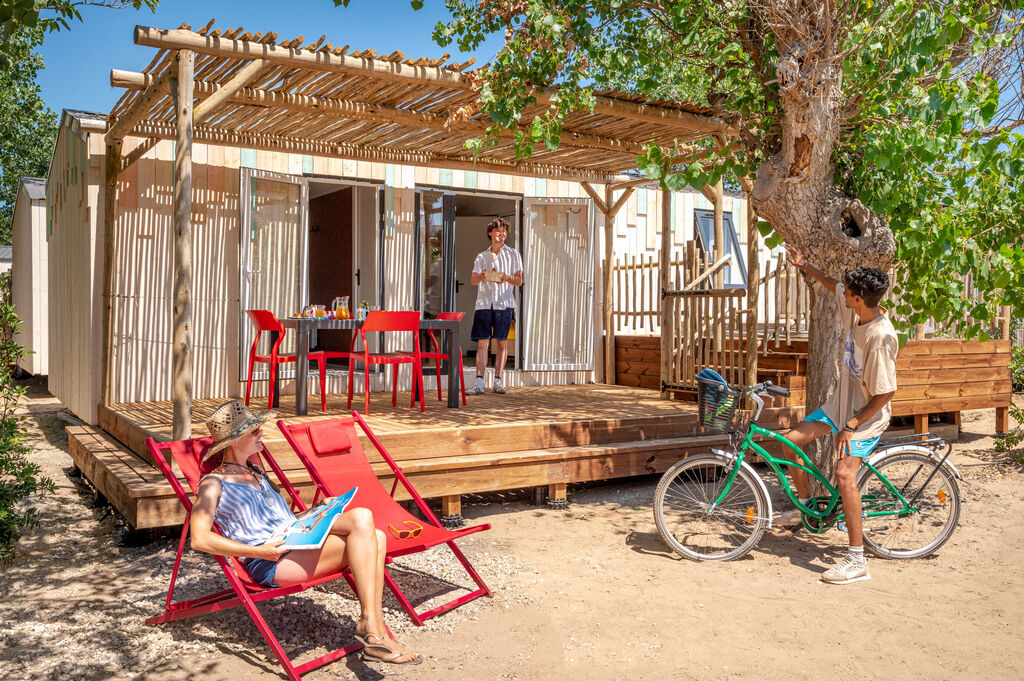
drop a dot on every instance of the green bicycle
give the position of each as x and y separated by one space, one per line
716 507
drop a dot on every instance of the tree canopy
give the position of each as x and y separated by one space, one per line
919 125
28 128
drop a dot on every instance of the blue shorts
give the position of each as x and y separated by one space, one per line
261 571
858 448
491 323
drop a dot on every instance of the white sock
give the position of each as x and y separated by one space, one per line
857 553
806 502
480 382
497 380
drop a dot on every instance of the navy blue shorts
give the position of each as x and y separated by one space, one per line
491 323
261 571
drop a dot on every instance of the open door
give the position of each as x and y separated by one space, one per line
558 290
273 251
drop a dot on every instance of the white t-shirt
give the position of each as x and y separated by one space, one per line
489 294
868 369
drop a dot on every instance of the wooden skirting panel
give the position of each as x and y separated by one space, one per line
935 375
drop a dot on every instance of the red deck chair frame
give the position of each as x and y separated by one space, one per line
437 355
331 451
265 320
388 321
245 592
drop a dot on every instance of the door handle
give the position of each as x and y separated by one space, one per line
458 284
358 280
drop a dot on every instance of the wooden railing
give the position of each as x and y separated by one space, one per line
708 331
784 309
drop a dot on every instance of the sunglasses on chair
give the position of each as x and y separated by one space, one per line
406 534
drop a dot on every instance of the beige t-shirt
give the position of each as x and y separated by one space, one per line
868 369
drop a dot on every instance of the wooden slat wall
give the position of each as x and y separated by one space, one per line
74 253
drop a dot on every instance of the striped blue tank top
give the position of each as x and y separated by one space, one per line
249 515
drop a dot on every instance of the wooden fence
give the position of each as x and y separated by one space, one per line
784 309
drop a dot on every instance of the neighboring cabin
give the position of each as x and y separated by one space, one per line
29 276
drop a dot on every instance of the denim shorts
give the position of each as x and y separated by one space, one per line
859 448
491 323
261 571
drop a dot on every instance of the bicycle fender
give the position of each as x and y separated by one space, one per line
750 469
899 449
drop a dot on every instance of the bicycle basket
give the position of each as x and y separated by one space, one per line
717 404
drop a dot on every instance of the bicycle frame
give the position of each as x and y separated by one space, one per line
833 503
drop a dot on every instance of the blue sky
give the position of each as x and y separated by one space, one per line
78 61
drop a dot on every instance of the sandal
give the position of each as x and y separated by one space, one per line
391 657
362 638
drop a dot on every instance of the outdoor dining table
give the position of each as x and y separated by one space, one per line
303 325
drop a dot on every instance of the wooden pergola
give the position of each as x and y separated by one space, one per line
241 89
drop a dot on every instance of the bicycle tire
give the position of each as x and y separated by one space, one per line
682 498
937 506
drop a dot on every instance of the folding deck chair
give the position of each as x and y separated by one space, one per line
332 452
244 591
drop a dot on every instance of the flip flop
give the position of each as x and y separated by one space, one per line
378 646
392 659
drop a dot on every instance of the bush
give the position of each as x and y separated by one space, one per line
19 478
1017 368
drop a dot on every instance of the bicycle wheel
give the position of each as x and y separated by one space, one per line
935 511
685 495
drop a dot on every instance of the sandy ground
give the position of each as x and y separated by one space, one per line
589 593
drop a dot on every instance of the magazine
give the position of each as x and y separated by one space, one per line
310 529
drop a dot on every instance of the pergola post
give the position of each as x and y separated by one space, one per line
610 374
753 293
667 309
719 231
181 360
1003 413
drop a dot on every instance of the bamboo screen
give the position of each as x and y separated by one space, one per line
559 271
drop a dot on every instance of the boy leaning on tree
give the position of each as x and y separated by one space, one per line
858 411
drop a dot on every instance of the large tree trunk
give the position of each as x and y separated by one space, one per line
795 191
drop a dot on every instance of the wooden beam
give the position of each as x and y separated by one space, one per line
666 307
633 184
368 153
111 172
620 203
138 110
601 205
406 73
246 96
609 290
181 348
204 110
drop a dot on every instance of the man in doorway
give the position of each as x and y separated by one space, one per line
858 412
495 271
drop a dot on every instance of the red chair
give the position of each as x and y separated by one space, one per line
332 453
437 355
264 320
187 454
389 322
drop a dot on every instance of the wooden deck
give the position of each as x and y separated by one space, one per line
533 436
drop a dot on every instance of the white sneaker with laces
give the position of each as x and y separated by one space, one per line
498 387
847 571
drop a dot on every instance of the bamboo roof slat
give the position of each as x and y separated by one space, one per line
383 106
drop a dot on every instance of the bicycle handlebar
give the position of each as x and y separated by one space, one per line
769 388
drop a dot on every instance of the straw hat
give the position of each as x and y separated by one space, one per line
232 421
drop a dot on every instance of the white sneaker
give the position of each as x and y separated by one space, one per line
498 387
789 518
477 390
847 571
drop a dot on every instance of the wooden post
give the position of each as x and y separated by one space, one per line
556 494
753 293
920 423
112 166
609 289
451 505
664 265
1003 413
719 231
181 348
